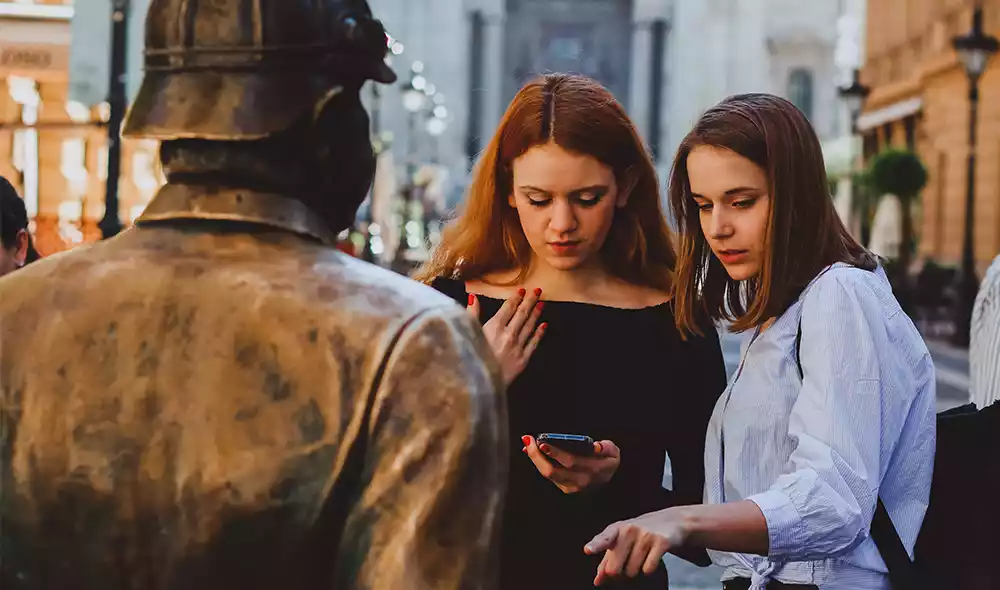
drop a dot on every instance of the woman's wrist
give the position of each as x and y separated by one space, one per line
738 527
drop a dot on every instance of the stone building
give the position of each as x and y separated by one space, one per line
477 53
784 47
52 150
920 100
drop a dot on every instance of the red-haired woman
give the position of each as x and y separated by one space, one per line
564 212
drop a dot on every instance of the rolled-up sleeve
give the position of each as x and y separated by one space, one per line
823 504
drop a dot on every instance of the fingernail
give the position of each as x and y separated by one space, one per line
524 449
521 292
472 299
544 448
543 326
539 306
526 440
538 292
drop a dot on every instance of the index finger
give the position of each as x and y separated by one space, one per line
604 541
509 307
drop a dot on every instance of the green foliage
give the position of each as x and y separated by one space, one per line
899 172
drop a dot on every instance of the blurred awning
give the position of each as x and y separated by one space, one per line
890 113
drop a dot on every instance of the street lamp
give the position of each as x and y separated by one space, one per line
414 99
854 96
974 50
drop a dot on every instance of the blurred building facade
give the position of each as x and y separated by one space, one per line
783 47
52 150
477 53
920 100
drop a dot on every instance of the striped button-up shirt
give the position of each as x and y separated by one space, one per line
984 349
815 453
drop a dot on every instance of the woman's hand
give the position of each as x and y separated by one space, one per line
511 333
638 545
573 473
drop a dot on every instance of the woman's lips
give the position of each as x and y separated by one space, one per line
732 256
564 247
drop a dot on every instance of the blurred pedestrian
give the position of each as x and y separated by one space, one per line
564 213
17 248
218 398
984 344
827 430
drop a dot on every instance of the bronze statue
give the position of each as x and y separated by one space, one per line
217 398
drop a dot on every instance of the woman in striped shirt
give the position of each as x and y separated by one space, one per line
832 408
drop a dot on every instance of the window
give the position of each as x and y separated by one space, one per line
800 90
910 129
74 165
24 91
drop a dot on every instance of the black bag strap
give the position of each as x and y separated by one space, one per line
902 572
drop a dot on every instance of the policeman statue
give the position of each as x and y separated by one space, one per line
218 398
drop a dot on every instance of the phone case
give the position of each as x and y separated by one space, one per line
576 444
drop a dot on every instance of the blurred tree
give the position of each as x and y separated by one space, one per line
900 172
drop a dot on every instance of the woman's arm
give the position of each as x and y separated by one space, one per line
823 505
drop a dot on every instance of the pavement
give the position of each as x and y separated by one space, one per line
952 368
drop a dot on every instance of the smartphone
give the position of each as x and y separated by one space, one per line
575 444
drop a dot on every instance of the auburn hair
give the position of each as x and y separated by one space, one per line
580 116
804 232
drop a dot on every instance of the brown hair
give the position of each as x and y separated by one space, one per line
804 232
581 116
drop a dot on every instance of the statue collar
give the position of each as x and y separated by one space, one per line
182 201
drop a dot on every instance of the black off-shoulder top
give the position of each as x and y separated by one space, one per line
618 374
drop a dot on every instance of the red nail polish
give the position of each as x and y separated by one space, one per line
526 440
544 326
539 306
472 299
521 292
538 292
544 448
524 449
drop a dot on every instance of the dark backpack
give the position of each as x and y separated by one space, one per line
958 540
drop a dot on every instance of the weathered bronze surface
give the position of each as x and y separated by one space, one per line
245 69
217 398
199 409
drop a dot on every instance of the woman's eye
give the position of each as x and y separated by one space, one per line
704 206
745 203
589 199
535 202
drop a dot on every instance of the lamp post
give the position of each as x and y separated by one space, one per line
414 98
854 95
974 50
111 224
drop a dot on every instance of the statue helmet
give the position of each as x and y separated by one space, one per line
246 69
